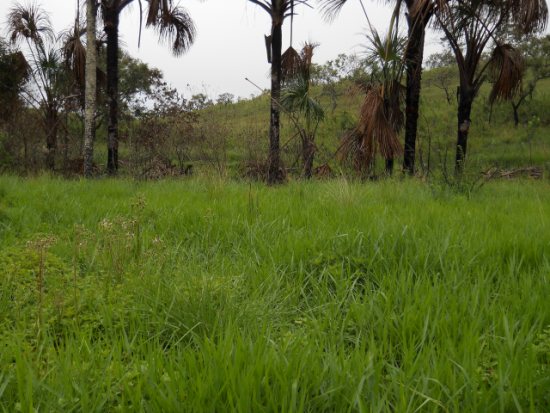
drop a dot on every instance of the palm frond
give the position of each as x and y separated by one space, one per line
176 26
29 22
530 15
377 123
296 97
507 68
331 8
74 51
380 121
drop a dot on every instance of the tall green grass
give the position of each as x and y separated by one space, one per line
207 295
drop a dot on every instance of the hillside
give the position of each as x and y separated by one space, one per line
494 141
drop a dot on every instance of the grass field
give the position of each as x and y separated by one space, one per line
209 295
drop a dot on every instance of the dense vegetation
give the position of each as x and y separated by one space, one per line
497 57
207 290
209 295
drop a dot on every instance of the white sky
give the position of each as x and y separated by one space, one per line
230 40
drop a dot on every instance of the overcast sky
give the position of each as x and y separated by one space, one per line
230 40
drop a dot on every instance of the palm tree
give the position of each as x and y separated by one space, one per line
91 87
278 10
381 117
471 27
419 13
298 102
30 26
171 23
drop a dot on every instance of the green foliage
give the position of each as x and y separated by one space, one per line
212 295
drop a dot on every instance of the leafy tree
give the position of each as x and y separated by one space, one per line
225 99
443 73
341 68
137 84
14 73
536 56
471 27
199 101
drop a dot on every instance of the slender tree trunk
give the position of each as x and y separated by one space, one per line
465 101
308 154
413 61
111 29
91 88
516 114
51 137
275 174
65 140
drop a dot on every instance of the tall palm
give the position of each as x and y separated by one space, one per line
419 13
29 26
471 27
171 22
91 87
278 10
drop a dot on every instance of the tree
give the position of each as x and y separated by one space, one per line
472 26
90 105
298 102
381 117
199 101
278 10
225 99
419 14
137 84
14 73
48 83
536 55
443 73
341 68
171 23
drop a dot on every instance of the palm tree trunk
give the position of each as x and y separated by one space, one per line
51 137
274 173
91 88
466 99
515 107
65 140
413 61
111 29
308 154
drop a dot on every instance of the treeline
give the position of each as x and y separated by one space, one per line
55 99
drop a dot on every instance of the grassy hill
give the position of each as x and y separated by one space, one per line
494 141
